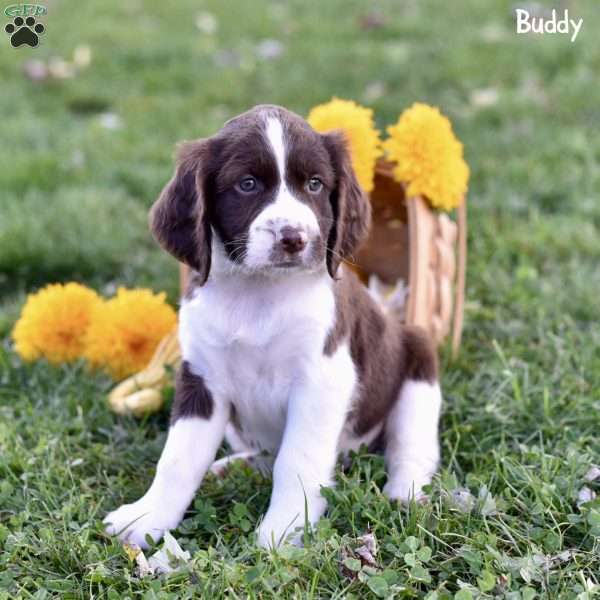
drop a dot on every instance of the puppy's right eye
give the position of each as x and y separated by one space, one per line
247 185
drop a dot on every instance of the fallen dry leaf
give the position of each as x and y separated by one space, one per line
171 557
368 551
593 473
585 495
168 559
143 569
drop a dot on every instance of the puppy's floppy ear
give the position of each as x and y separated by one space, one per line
351 207
179 219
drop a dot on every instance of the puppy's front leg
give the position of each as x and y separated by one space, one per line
197 429
317 410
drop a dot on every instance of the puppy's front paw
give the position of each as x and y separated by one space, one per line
132 522
407 486
274 530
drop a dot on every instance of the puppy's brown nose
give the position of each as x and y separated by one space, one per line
293 240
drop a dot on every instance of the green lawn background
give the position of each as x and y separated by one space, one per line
522 411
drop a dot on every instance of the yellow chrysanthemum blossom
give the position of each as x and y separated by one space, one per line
126 330
54 322
357 124
429 158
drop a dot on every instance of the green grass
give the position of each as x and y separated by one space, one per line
522 412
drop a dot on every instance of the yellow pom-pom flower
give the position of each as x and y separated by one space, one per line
54 321
126 330
357 124
429 158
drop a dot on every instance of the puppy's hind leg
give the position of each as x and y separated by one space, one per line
412 452
255 459
241 452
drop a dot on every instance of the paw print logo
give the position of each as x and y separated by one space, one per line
24 32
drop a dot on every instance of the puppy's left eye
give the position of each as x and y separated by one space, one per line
314 185
247 184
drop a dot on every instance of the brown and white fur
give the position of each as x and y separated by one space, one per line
283 349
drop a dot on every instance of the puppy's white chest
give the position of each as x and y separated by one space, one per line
252 343
260 383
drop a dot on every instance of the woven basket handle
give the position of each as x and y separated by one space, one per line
459 296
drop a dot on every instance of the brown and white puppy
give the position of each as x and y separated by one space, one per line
284 351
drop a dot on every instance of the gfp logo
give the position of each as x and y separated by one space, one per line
25 29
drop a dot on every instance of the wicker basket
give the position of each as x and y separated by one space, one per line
426 249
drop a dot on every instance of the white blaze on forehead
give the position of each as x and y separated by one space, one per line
285 210
275 137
